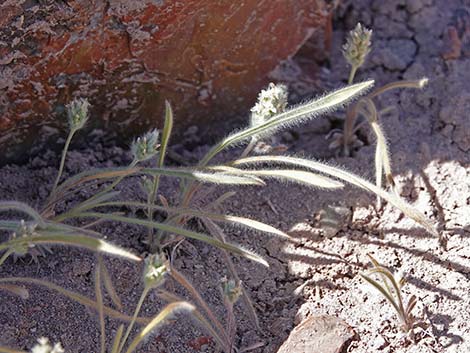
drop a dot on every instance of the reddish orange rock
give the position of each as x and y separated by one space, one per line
209 58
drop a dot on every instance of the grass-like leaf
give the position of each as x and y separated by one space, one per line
420 83
187 173
204 177
183 281
184 232
293 116
9 350
291 175
382 155
390 288
19 291
117 339
22 207
94 174
217 232
167 129
70 239
73 296
99 303
394 200
158 320
108 284
242 221
170 297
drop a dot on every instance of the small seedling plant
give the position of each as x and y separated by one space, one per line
45 227
355 51
390 286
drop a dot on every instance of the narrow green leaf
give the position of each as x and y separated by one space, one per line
9 350
385 272
184 232
293 175
108 284
170 297
9 225
420 83
411 304
292 116
73 296
384 278
6 255
158 320
394 200
382 290
16 290
183 281
166 133
117 339
217 232
167 128
204 177
94 174
20 206
99 302
214 216
78 240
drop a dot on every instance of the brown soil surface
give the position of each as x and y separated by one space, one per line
429 135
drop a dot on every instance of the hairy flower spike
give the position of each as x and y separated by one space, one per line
24 230
357 46
145 147
155 270
43 346
231 290
271 101
77 113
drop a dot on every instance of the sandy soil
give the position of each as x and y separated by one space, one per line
429 136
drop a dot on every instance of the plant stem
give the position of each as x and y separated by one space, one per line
350 119
113 185
395 85
134 317
248 148
9 350
62 160
5 256
352 73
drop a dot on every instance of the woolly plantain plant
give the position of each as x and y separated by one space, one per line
268 117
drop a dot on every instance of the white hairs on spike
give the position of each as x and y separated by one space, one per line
293 116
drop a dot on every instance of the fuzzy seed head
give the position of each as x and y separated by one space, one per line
271 101
155 270
25 229
77 113
146 146
43 346
357 45
231 290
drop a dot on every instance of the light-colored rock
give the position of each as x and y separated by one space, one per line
319 334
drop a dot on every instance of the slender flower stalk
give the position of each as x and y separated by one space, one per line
156 268
152 190
77 115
